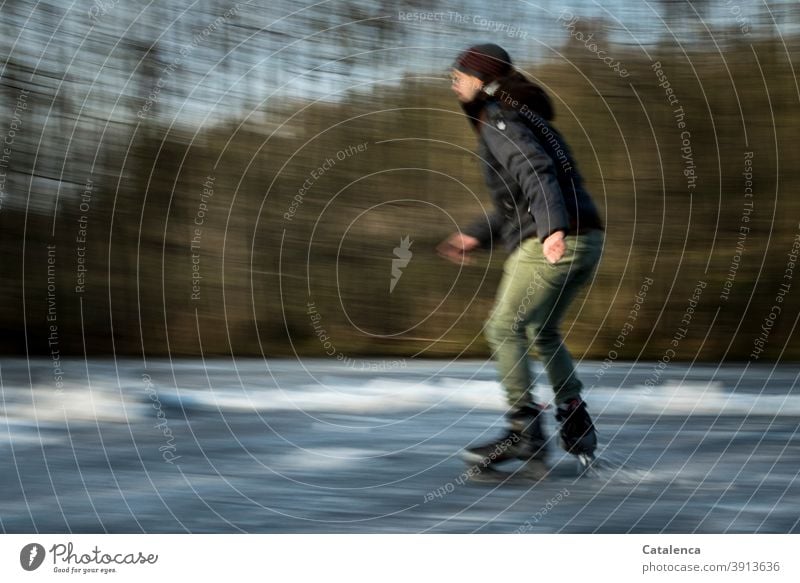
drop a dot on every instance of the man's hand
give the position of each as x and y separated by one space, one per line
456 247
554 247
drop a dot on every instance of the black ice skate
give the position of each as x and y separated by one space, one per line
524 440
577 432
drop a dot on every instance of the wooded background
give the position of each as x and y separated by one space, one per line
259 122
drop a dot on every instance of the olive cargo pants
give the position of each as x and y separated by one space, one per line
531 301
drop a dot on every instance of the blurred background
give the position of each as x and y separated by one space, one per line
218 178
222 309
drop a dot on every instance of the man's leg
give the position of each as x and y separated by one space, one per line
505 329
525 438
558 286
532 294
560 283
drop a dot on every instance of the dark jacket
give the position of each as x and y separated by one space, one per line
535 186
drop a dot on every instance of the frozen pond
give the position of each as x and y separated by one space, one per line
316 446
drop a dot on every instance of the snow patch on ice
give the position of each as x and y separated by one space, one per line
77 404
104 403
690 398
382 396
374 396
321 458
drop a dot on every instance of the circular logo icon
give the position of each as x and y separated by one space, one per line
31 556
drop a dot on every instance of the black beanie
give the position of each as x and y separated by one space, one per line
486 62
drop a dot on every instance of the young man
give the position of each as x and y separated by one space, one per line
547 220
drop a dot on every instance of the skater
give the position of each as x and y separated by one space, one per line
547 221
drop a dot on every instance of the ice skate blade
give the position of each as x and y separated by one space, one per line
586 464
473 459
531 471
487 475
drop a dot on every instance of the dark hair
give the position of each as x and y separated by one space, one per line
513 87
518 87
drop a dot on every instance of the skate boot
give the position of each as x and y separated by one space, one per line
577 431
524 440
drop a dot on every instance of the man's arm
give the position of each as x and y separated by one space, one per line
485 229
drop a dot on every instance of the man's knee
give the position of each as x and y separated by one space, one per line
544 336
498 329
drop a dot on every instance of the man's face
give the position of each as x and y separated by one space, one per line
466 87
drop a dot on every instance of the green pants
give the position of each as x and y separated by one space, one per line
531 301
